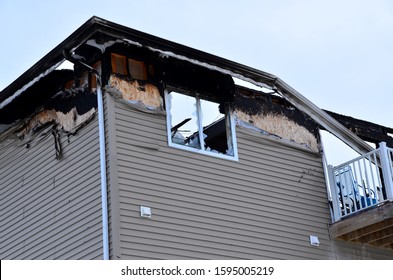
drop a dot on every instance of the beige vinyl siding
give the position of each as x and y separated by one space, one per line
263 206
51 209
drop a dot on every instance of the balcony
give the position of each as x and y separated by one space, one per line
361 192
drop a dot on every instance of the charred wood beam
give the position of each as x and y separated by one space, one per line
258 102
367 131
35 96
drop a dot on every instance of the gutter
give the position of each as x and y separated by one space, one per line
101 131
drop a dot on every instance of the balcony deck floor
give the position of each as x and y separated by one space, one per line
372 226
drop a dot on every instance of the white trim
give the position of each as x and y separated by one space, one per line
104 189
232 121
200 125
329 176
193 150
168 106
386 170
230 112
166 54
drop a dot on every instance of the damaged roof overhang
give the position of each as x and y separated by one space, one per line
24 105
367 131
97 28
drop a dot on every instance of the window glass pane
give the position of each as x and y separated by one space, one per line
215 127
184 120
210 112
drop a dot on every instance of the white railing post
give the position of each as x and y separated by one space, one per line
333 190
386 170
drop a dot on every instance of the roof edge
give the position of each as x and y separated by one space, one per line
98 25
51 58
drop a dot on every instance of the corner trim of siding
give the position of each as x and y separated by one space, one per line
113 178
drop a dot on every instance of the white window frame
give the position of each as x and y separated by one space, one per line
231 132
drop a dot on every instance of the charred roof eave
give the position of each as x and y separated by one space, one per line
36 95
95 26
366 130
52 58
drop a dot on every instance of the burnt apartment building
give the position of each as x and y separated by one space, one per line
122 145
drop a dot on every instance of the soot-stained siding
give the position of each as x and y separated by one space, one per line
66 113
51 209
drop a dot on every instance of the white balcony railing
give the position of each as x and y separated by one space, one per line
361 183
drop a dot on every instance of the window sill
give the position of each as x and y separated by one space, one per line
207 153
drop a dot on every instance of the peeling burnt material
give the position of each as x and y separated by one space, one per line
144 92
67 112
26 104
254 102
80 99
58 148
367 131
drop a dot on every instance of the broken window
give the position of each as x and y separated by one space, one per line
199 124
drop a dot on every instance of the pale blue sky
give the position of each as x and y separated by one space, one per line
337 53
